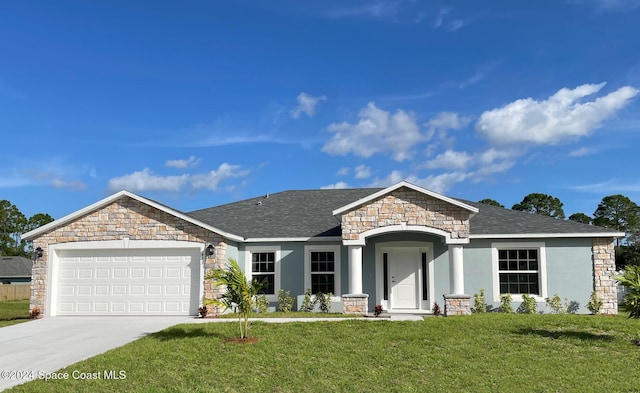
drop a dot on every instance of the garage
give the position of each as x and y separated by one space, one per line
148 281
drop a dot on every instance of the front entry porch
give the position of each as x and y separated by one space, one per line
405 277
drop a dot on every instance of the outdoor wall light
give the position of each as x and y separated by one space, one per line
37 253
210 250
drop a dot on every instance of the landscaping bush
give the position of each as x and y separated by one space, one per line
479 306
285 301
595 304
528 305
505 303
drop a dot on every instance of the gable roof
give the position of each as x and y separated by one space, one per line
15 267
396 186
110 199
304 214
292 214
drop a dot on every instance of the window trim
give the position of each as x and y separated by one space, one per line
336 265
542 267
248 268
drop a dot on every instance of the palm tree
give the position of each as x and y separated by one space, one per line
240 294
631 280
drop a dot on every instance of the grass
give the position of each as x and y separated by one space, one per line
12 312
479 353
296 314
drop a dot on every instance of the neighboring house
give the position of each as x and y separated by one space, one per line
403 247
15 270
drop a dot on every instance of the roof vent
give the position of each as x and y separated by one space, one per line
259 203
266 196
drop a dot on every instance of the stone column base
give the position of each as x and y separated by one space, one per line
457 305
355 303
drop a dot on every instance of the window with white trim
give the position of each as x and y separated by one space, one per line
519 268
518 271
263 270
322 269
262 263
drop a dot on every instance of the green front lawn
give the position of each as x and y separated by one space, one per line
12 312
480 353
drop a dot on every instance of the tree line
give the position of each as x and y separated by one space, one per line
614 211
13 223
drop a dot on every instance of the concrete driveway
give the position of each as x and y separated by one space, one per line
34 348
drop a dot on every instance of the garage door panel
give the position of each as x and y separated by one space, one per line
128 282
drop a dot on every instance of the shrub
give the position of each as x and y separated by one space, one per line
555 303
505 303
436 309
324 300
203 311
594 304
262 303
377 310
630 279
34 313
307 303
285 301
528 305
479 306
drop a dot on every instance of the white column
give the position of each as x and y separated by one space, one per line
456 269
355 269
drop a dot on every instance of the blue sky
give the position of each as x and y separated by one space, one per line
200 103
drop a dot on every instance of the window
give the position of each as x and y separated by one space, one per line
519 269
263 267
262 263
322 269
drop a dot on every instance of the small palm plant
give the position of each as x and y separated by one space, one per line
631 280
240 294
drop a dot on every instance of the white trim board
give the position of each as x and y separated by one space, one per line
110 199
396 186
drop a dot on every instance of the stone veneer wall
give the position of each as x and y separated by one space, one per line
355 303
405 205
457 305
604 270
130 218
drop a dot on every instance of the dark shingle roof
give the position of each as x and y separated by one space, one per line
308 213
15 267
299 213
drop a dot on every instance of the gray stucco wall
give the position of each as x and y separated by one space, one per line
569 269
569 266
292 265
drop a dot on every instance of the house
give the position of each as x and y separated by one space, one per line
15 270
403 247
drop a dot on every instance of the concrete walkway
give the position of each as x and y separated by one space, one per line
34 348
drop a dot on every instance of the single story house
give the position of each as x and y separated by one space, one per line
15 270
403 247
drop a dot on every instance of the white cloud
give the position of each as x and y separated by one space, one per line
457 24
75 185
377 131
145 180
450 159
562 116
211 180
335 186
580 152
344 171
181 164
438 183
306 104
444 121
362 172
373 9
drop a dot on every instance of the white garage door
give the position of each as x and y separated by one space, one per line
128 282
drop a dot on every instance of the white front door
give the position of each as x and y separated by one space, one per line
403 275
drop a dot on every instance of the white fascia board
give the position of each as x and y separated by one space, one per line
394 187
79 213
547 235
293 239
